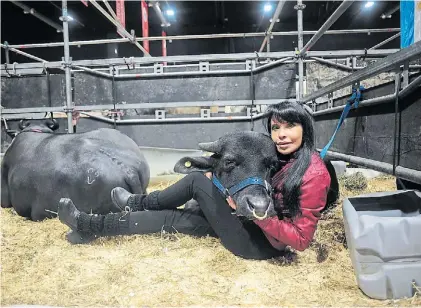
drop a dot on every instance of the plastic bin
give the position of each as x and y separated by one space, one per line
383 232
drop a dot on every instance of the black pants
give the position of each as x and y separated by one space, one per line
243 239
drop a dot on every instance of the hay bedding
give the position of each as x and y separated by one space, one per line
40 268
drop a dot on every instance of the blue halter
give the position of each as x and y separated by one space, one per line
243 184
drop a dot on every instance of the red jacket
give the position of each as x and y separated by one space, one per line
299 231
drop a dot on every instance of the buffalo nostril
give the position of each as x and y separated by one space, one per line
257 206
250 204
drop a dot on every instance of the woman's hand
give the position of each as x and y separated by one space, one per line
231 203
208 175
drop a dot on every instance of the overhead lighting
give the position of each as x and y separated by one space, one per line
267 8
169 12
70 18
369 4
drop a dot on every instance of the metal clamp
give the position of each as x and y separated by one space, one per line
299 7
44 67
158 68
252 111
204 66
14 70
130 64
354 62
67 109
314 106
330 100
113 70
64 18
65 64
133 38
160 114
205 113
250 65
7 71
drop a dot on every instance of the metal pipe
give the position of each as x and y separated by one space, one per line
405 173
274 18
395 128
405 74
246 102
338 65
329 22
271 64
188 73
69 103
406 54
376 101
28 10
212 57
23 53
389 13
177 120
268 44
119 27
89 70
110 9
6 52
385 41
300 8
364 103
203 36
410 87
157 9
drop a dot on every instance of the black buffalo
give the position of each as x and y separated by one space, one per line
40 167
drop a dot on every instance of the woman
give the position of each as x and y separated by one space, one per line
300 192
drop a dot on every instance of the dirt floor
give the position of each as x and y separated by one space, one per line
39 267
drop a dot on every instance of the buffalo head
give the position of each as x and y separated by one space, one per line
49 126
238 159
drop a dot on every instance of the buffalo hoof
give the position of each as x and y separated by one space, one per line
120 196
75 237
68 213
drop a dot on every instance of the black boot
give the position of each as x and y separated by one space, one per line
78 222
135 202
86 227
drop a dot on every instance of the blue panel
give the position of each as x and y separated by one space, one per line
407 23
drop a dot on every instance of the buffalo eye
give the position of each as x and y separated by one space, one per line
229 164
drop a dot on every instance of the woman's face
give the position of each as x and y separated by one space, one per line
288 137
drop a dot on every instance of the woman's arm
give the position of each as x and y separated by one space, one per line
299 231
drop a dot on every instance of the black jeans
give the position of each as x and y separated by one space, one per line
243 239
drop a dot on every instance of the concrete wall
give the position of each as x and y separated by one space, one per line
320 75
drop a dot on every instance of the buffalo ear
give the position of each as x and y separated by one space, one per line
23 124
52 124
191 164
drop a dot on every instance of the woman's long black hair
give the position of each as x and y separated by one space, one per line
293 112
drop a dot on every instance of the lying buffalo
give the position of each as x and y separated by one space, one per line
40 167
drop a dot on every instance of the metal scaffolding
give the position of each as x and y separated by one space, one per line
67 66
301 56
204 36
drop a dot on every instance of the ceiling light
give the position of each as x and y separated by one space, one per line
170 12
267 8
369 4
70 18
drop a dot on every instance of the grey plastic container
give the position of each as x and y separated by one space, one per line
383 232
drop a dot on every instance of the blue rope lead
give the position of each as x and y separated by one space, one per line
353 101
